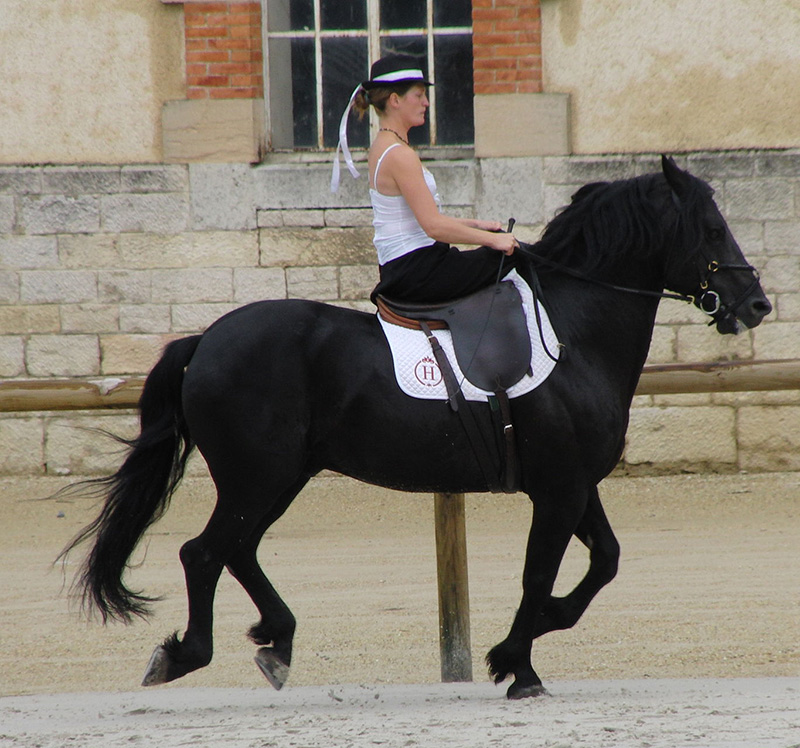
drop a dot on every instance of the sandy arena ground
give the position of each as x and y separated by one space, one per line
694 644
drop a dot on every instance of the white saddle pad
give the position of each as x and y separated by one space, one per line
418 374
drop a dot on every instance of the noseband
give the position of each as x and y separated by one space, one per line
709 302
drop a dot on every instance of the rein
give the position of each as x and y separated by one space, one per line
526 250
717 310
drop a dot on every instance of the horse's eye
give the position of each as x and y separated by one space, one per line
715 234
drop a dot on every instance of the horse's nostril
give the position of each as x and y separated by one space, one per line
762 307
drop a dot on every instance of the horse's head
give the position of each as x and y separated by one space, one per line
707 264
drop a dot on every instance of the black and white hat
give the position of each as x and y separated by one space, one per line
391 70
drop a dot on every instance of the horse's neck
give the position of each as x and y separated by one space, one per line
612 329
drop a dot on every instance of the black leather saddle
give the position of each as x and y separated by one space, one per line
488 328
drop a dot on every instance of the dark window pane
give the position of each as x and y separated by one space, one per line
416 46
290 15
452 13
343 14
454 123
304 96
403 14
344 66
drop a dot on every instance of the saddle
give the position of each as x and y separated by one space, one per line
493 349
488 328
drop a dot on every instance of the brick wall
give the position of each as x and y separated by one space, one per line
224 59
223 50
507 46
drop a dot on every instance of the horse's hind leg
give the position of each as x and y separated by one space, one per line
596 534
203 558
275 631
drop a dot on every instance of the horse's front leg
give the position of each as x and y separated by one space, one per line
554 522
596 534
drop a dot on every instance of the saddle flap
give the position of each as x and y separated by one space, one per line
494 348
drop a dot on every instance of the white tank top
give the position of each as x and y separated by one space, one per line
397 231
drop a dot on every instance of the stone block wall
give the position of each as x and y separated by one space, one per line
100 266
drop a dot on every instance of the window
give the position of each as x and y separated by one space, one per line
319 50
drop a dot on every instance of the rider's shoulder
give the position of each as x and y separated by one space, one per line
402 157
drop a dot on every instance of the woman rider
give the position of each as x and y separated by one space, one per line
412 236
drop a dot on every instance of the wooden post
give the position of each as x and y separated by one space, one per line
451 563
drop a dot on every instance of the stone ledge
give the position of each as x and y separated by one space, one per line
778 163
306 186
21 180
576 171
73 180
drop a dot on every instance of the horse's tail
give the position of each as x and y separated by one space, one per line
138 494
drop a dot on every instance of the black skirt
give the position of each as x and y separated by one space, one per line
441 273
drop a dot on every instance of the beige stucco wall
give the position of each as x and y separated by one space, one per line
83 81
675 75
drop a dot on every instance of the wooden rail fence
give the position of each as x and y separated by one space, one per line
450 527
92 393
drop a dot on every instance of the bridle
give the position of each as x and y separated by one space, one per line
706 299
709 302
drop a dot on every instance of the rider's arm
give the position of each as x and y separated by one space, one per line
477 223
403 166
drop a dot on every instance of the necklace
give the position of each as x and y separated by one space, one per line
389 129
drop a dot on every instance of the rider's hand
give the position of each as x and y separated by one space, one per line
505 243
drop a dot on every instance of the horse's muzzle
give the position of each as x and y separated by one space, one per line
750 313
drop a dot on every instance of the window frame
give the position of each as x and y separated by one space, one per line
374 35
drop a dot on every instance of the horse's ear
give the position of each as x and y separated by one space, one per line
677 179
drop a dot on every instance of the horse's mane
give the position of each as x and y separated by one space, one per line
609 221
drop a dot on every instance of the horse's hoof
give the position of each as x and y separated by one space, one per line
157 668
275 670
516 691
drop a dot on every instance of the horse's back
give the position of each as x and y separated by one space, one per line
282 347
261 331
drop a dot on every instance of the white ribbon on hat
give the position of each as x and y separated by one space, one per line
399 75
342 146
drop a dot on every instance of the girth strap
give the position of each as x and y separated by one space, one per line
511 473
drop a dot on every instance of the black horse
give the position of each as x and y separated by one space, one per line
276 391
